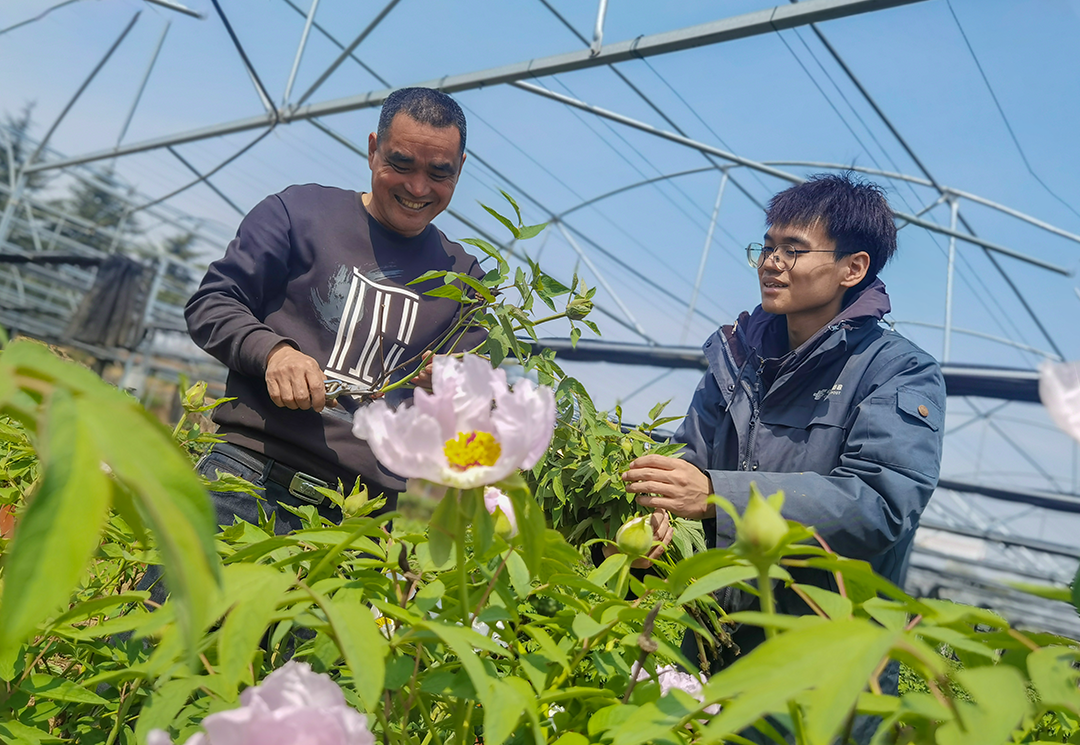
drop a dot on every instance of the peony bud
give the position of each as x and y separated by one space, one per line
354 503
578 308
195 396
635 537
502 509
762 527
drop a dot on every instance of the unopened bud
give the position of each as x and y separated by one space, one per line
195 395
502 510
762 527
578 308
635 537
354 503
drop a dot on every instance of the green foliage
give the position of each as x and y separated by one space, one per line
453 634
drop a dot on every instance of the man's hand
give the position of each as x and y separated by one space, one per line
294 380
662 532
423 378
670 484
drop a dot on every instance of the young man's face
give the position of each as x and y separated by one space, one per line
811 292
414 170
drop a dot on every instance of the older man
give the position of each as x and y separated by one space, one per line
315 288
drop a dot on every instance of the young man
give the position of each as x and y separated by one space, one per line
314 288
809 394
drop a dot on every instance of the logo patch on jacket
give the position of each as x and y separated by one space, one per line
836 390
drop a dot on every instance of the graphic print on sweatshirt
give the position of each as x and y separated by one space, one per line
374 325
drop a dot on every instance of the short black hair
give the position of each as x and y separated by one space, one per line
424 105
853 212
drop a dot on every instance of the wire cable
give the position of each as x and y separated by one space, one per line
1001 111
38 17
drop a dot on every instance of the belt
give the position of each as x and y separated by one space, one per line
301 485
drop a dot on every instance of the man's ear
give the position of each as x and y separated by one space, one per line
372 146
856 267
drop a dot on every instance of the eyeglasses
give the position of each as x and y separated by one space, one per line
784 255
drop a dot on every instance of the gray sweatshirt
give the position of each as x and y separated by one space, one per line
309 266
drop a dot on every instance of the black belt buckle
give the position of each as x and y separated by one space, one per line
303 487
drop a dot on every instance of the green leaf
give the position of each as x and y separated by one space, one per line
482 291
254 591
585 627
142 455
17 733
450 291
999 703
530 231
513 203
164 704
1075 587
58 689
575 334
794 663
443 530
503 706
362 645
60 527
505 221
836 606
491 251
426 276
715 580
607 569
519 574
1051 671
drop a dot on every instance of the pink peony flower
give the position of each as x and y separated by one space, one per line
1059 389
293 706
455 436
500 506
669 677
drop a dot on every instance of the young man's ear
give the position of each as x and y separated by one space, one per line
857 265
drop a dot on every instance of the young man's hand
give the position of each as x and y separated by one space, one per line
670 484
295 380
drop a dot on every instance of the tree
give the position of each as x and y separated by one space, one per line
14 132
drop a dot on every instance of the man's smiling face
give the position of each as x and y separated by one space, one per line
414 170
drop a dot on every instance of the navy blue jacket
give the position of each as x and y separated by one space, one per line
849 426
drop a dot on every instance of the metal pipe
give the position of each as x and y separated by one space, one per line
949 274
598 31
142 85
636 185
762 168
348 50
738 27
945 192
988 337
299 52
259 87
89 78
704 257
604 283
178 8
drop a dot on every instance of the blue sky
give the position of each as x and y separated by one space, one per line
775 97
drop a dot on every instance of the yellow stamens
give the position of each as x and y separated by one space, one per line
472 449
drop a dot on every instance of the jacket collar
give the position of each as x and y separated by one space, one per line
766 333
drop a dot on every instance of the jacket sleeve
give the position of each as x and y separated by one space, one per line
887 469
225 315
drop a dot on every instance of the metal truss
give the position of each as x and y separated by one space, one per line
29 225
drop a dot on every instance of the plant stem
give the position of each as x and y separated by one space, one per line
463 576
121 713
768 602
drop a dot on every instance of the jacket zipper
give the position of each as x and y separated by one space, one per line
754 410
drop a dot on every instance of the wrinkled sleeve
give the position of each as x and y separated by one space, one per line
887 470
225 315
